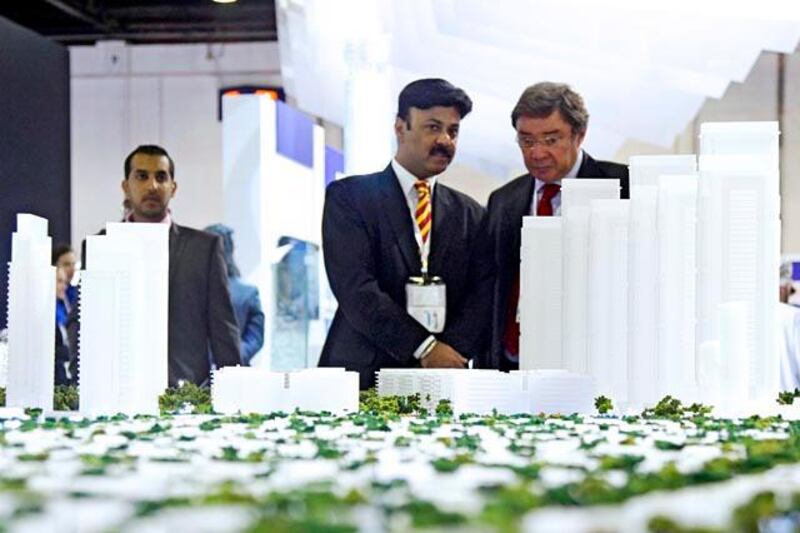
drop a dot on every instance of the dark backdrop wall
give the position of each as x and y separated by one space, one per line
34 138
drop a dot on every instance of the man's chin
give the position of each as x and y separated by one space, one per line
152 215
547 176
439 166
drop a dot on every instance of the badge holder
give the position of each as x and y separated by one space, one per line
426 301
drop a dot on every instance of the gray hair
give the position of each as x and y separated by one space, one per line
542 99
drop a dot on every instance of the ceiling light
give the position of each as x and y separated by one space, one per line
224 1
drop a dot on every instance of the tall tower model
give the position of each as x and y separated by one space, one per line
31 316
124 307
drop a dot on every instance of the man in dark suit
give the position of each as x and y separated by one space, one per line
201 316
551 121
379 230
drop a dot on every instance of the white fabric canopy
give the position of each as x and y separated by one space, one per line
644 68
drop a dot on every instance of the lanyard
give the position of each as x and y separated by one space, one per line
424 251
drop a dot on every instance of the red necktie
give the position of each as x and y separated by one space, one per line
423 212
544 208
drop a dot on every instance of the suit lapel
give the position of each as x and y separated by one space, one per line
176 245
444 223
394 205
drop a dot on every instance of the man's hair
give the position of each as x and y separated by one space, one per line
432 92
59 250
542 99
149 149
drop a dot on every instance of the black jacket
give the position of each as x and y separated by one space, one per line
201 316
370 252
507 206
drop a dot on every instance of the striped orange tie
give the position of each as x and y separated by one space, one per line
423 213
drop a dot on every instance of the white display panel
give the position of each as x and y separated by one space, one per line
274 205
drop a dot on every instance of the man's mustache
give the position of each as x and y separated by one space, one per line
442 150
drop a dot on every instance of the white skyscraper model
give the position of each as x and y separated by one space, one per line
576 197
739 248
31 316
677 226
540 294
607 298
643 268
124 319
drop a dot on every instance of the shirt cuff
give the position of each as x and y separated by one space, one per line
423 348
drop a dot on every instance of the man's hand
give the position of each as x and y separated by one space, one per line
443 356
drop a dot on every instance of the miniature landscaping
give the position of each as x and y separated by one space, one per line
395 466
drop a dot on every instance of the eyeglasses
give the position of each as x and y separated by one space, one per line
548 141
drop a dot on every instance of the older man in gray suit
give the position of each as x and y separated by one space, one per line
201 317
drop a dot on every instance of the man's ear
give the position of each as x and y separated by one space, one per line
174 188
125 188
399 129
579 137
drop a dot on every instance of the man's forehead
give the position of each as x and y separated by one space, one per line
149 162
440 113
542 124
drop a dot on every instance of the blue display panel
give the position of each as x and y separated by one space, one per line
295 135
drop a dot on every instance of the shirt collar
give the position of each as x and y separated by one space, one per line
573 173
407 179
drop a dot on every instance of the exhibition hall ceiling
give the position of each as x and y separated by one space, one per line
645 69
80 22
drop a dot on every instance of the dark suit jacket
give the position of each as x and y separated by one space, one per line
370 252
200 311
507 206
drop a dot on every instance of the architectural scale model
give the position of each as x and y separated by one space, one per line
644 270
486 391
540 333
31 316
124 307
739 244
576 198
679 284
243 389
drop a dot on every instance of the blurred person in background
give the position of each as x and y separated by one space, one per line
63 359
64 258
788 331
245 299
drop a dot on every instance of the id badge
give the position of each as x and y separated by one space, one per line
426 301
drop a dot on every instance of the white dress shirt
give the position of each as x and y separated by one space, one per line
407 181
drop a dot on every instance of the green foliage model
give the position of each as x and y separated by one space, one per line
187 396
